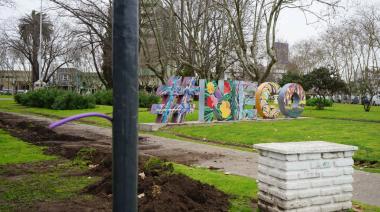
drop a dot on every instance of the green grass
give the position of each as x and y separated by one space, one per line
144 114
344 111
42 187
13 150
365 207
241 189
6 97
31 184
365 135
342 123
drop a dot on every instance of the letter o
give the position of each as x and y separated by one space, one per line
291 100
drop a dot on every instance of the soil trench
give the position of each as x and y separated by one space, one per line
160 189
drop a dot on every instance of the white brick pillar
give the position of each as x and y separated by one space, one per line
305 176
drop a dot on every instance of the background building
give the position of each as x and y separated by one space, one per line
14 80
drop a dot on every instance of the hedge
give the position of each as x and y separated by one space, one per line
315 101
105 97
55 99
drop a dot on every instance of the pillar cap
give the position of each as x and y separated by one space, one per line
289 148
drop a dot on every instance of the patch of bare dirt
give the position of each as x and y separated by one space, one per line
162 190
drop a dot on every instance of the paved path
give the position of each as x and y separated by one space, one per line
366 185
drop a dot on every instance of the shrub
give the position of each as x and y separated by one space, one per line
55 99
315 101
147 100
105 97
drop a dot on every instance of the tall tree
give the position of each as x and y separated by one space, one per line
324 82
28 41
254 25
95 31
58 45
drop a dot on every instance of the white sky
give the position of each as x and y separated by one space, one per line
292 26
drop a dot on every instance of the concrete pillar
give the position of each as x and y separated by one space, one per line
305 176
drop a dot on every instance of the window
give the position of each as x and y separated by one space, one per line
65 77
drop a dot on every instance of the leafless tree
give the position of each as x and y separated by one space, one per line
95 31
203 39
58 46
157 40
6 3
308 55
254 25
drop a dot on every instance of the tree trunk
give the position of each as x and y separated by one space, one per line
107 63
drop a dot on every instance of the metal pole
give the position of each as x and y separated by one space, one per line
40 48
125 93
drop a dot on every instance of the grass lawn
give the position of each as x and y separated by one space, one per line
241 189
6 96
365 135
13 150
342 123
54 184
144 114
345 112
30 185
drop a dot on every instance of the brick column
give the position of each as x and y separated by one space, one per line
305 176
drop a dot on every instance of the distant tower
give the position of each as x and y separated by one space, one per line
282 53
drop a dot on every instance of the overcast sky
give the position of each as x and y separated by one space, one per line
292 25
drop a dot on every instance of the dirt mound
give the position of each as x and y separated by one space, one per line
161 190
37 132
179 193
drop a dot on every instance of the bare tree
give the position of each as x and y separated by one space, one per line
308 55
203 45
157 39
95 31
58 46
6 3
249 35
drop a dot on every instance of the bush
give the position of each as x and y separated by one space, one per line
315 101
55 99
105 97
147 100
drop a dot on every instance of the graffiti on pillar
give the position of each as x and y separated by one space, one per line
177 96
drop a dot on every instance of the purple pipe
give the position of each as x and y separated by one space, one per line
76 117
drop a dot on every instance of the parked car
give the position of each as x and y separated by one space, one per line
6 91
355 100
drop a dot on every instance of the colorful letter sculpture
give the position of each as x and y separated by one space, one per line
177 96
220 101
227 100
266 100
292 100
247 101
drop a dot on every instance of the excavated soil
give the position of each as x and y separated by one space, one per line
159 189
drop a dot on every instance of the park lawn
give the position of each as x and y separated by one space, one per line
30 185
365 135
241 189
345 112
6 97
13 150
144 114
